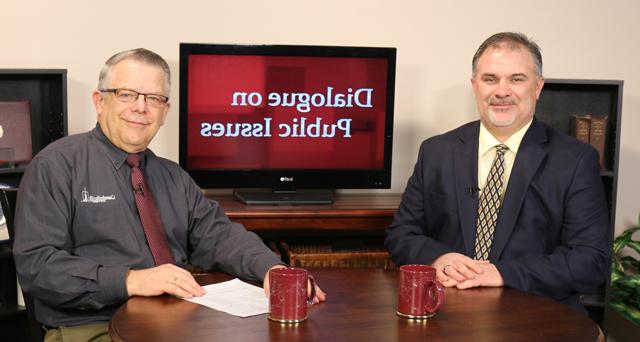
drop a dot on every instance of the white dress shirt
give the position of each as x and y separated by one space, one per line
487 152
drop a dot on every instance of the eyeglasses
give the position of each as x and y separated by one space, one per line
130 96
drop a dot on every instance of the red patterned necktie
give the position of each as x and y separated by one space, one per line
149 214
489 206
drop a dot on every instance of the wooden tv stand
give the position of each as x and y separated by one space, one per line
356 213
348 233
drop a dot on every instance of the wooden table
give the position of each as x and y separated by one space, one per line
360 307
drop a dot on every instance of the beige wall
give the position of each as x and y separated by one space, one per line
435 40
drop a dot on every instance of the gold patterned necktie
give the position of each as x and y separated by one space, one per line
489 205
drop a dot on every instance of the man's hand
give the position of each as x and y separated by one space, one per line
489 277
161 279
265 282
455 268
320 296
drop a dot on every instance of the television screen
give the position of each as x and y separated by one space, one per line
286 117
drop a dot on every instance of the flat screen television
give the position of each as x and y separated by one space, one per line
292 122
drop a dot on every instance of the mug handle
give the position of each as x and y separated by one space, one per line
438 294
312 282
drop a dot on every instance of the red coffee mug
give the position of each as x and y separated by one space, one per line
288 298
420 295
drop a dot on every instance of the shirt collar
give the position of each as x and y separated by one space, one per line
487 141
117 156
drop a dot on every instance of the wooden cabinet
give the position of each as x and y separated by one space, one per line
347 233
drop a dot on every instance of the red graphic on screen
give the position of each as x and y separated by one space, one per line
276 112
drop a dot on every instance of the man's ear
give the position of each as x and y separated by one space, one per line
97 101
167 107
539 85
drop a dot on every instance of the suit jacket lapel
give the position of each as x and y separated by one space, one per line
531 154
465 163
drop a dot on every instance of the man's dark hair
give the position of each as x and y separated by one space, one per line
510 40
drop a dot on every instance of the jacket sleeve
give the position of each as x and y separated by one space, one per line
43 252
411 238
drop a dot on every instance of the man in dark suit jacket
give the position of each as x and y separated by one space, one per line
551 234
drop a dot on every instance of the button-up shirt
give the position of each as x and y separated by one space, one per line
78 231
487 153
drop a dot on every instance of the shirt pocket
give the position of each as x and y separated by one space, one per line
105 227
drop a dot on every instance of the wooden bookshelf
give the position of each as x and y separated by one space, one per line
46 91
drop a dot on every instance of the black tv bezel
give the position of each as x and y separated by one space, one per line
302 178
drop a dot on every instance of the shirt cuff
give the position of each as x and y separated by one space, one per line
264 264
113 287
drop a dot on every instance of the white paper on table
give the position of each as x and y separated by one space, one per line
20 296
4 232
234 297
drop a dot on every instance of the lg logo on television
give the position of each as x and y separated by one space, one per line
286 179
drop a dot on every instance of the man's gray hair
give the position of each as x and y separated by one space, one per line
141 55
511 40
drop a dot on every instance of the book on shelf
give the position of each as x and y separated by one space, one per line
592 129
15 133
598 136
581 127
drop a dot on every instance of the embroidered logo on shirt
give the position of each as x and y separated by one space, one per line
95 199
